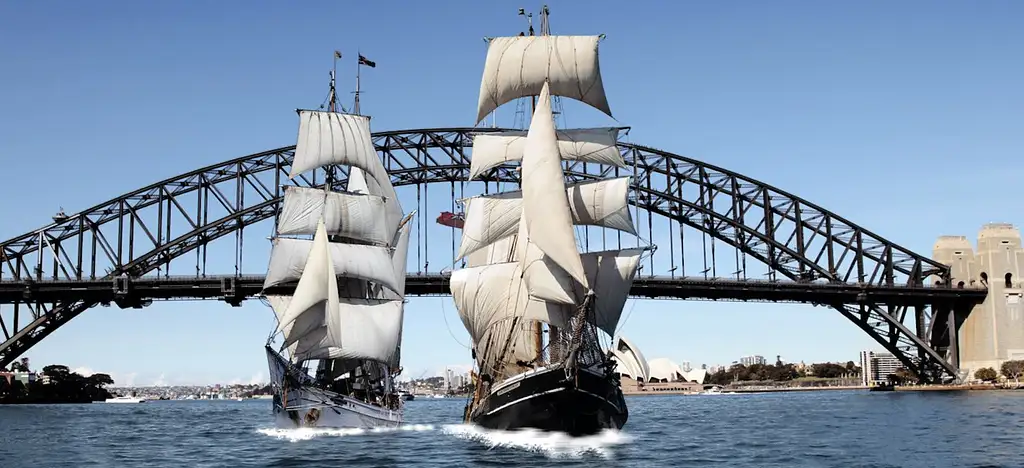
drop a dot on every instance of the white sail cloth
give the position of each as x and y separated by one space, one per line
519 66
488 294
546 211
399 259
351 215
317 286
288 259
596 203
591 145
331 138
365 329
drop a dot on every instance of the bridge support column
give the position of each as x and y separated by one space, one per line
231 292
954 339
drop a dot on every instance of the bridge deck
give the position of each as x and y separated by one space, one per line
235 289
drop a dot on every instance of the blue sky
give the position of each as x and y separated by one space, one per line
906 117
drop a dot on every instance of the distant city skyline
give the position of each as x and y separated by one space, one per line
877 117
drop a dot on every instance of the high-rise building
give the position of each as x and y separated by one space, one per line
876 367
751 360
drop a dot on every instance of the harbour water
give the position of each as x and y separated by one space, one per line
803 429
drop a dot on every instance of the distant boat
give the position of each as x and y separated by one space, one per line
406 396
125 399
882 387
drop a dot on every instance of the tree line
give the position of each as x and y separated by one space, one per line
1012 370
63 386
779 372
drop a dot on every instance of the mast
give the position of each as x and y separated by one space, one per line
332 104
359 67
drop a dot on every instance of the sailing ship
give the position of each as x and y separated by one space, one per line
346 312
524 277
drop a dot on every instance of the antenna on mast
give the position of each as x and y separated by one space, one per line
332 104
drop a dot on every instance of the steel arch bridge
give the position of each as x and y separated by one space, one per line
126 245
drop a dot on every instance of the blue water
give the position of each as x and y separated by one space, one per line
813 429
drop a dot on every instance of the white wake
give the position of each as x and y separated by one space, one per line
551 444
307 433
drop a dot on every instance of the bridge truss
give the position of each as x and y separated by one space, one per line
50 275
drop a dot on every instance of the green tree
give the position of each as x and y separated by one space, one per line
986 374
901 376
1012 370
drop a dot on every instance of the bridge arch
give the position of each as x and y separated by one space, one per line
132 234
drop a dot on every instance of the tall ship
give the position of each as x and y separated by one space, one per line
341 330
535 306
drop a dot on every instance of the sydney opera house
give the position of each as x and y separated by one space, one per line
657 375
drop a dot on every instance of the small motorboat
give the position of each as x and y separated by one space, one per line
125 399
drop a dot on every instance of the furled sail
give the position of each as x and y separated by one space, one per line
591 145
595 203
289 257
520 66
351 215
545 205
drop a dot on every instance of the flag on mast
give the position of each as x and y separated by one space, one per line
367 62
337 54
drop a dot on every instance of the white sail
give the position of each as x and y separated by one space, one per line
488 294
399 259
489 218
289 258
279 304
318 283
591 145
545 205
500 251
331 138
519 66
381 187
364 329
357 182
611 275
355 216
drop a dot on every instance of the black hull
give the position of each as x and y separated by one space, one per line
584 405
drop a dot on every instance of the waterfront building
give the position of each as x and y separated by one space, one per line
637 375
876 367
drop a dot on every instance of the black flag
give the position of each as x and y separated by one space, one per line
337 54
365 61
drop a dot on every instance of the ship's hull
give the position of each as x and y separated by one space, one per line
545 399
302 404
